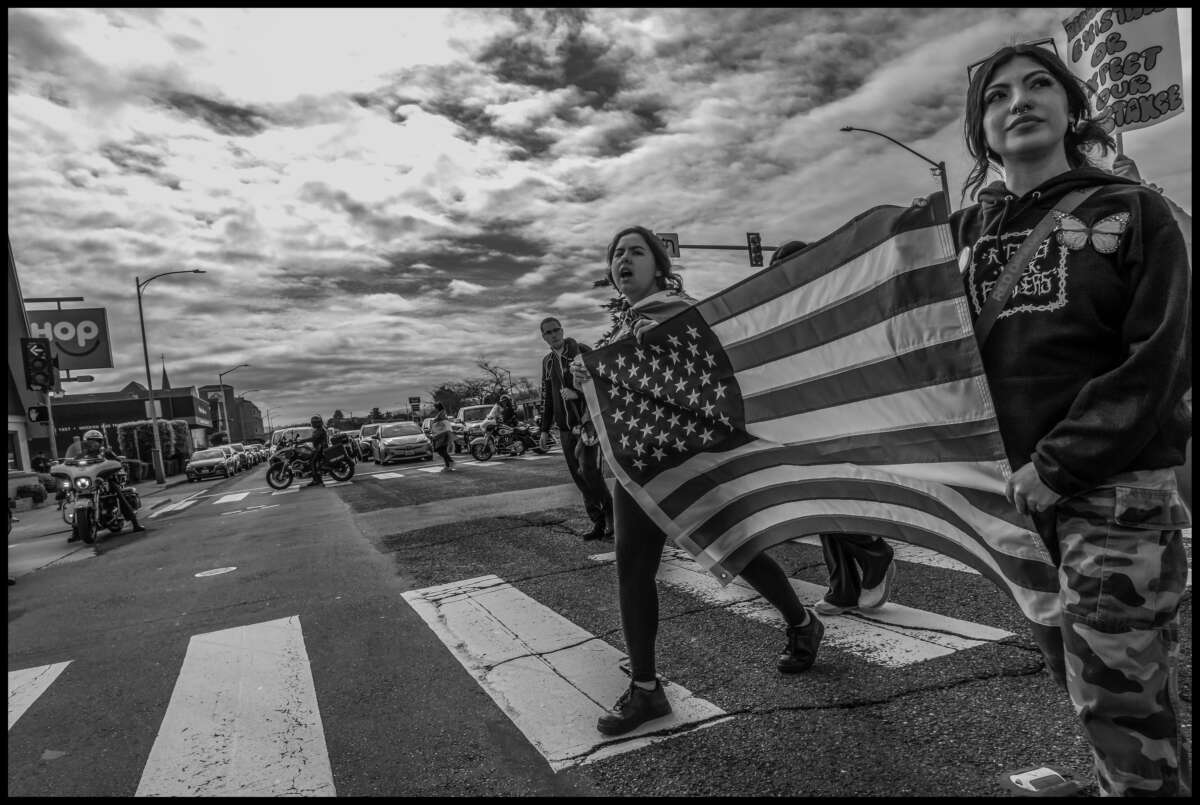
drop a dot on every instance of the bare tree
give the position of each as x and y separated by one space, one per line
498 378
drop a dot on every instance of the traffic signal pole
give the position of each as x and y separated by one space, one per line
50 424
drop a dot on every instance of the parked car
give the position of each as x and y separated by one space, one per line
231 459
398 441
243 455
208 463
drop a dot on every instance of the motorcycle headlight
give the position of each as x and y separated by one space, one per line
83 483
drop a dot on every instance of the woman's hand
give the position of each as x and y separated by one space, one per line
569 394
579 371
641 327
1028 492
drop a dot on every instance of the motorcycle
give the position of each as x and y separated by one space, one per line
294 460
90 489
502 439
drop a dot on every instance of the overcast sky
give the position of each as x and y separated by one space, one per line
382 198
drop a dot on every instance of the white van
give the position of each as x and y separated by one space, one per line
298 433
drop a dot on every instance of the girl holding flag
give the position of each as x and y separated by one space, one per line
640 269
1079 287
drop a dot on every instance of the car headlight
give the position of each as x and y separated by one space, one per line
83 483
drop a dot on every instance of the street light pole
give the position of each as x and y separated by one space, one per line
160 474
224 401
939 168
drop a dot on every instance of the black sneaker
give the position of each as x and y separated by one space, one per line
597 532
137 527
801 650
635 707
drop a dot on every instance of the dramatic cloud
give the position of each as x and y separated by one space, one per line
381 198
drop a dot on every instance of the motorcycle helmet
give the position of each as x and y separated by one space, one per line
315 421
93 435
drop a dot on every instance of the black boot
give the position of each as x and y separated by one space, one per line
635 707
137 526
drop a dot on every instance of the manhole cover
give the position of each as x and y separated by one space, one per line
218 571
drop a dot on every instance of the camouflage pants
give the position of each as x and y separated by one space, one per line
1122 571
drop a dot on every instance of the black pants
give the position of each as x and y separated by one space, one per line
855 562
316 467
127 510
584 466
639 544
442 448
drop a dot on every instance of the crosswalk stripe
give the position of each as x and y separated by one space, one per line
910 553
242 720
893 636
26 685
551 677
232 497
385 475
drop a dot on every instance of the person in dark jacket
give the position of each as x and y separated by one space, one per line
562 406
320 441
1088 364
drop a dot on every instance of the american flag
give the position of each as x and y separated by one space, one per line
840 390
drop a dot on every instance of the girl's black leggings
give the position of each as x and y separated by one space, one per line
639 544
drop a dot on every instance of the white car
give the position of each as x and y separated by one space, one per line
398 441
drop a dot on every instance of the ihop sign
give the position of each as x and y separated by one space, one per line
80 336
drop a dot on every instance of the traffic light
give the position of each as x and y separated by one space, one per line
754 244
39 365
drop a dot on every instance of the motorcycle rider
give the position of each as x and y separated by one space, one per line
92 448
320 441
504 412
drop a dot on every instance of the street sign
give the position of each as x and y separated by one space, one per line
38 413
671 241
80 336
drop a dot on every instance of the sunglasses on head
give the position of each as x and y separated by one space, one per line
1045 44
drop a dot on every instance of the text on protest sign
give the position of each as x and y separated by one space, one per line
1130 60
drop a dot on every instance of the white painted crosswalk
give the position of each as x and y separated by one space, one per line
552 678
243 720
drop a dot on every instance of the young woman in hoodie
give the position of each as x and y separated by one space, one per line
1088 363
640 269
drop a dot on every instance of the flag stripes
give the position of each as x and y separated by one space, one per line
804 350
906 371
845 394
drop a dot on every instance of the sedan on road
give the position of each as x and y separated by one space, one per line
398 441
207 464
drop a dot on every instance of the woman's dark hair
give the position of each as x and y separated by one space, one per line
664 278
1084 133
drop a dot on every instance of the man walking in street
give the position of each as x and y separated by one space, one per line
562 408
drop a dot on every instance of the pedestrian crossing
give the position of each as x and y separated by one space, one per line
244 717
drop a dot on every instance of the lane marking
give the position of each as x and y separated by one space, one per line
385 475
174 507
26 685
243 719
293 490
892 636
233 497
552 678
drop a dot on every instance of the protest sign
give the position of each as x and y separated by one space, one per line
1130 59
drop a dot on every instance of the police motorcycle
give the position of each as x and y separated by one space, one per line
293 459
91 486
504 440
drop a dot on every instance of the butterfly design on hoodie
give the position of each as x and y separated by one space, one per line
1105 234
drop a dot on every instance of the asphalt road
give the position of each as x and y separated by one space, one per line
402 715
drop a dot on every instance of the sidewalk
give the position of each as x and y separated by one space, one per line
46 519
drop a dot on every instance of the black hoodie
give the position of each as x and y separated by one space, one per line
1090 358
